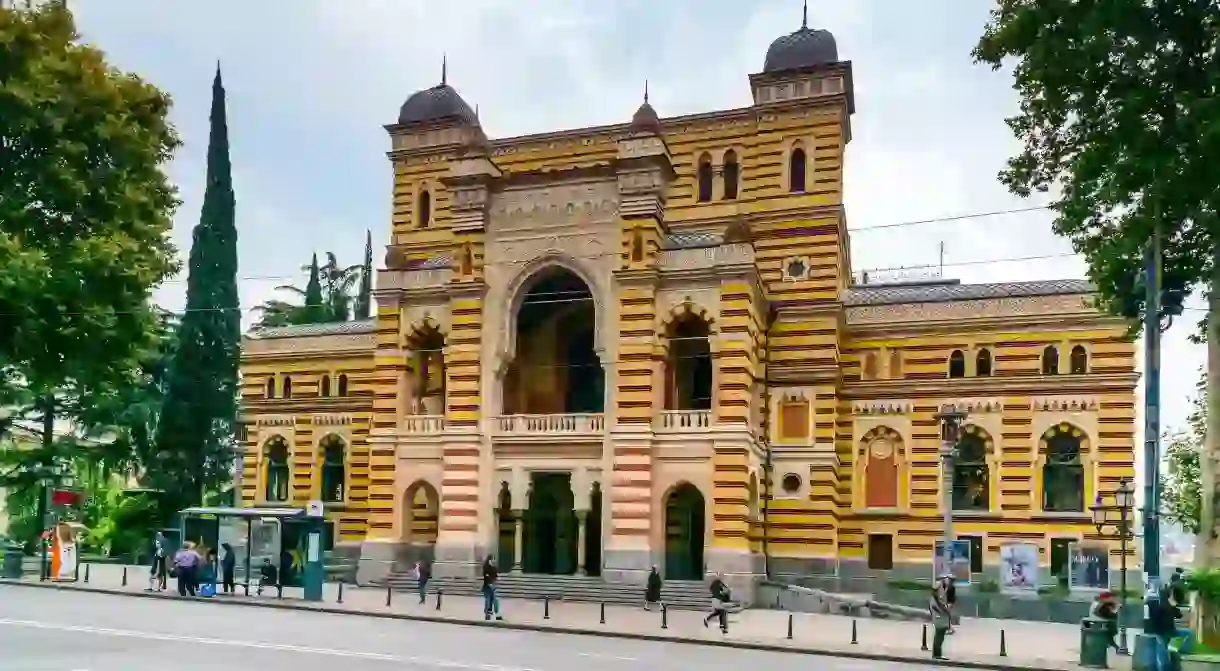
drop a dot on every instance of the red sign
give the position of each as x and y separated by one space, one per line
66 497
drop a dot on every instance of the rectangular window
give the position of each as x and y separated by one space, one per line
1061 556
794 420
976 553
880 552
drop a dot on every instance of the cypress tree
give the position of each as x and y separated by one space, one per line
195 433
364 300
314 308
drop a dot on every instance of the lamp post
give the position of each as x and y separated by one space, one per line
1124 501
950 419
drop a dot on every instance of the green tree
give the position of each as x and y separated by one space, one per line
364 299
327 296
194 433
315 310
1182 477
85 217
1120 121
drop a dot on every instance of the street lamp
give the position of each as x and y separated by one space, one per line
951 419
1124 501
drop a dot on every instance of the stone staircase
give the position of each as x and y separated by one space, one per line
681 594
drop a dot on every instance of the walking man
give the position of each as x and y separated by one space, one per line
422 573
720 603
652 591
491 602
938 606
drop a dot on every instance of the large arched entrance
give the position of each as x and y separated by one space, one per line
551 529
420 520
685 524
555 369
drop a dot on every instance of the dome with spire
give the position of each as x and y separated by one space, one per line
645 119
807 47
440 102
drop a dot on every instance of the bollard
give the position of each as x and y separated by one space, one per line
246 586
124 576
853 633
279 591
546 607
664 616
439 595
789 626
1003 646
389 595
340 591
603 618
923 643
86 573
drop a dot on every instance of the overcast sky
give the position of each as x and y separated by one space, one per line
310 84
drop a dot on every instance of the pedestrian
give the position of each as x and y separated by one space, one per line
721 596
950 599
1177 586
228 566
1106 608
422 573
491 602
1163 626
160 562
938 608
652 591
186 569
268 575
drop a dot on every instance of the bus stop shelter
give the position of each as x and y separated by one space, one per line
288 538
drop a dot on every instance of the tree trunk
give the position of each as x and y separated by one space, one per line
1205 542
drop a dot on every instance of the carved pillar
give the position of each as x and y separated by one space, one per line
518 538
581 517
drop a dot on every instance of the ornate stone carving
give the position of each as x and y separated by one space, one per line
972 309
1064 403
573 205
980 406
275 420
413 279
523 251
880 408
331 420
704 300
706 257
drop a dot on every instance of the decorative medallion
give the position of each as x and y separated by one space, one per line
881 448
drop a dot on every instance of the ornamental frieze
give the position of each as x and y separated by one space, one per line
1064 403
973 309
875 408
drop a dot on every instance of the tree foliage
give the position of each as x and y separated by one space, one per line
1182 478
364 299
1120 120
327 297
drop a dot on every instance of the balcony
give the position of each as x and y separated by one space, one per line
423 424
684 420
549 425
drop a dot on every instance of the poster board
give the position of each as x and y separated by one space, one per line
958 564
1018 567
1089 566
64 560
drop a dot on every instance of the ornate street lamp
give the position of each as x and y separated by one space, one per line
951 420
1124 501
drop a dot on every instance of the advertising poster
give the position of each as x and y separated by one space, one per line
958 565
1018 567
1090 566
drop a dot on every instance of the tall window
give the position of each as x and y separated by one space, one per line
342 385
796 171
1050 360
705 178
269 392
982 363
1078 361
869 369
957 364
287 387
896 365
277 472
334 471
425 209
731 174
880 552
1063 470
971 477
324 386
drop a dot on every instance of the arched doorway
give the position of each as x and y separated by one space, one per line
685 526
555 369
550 526
425 379
420 520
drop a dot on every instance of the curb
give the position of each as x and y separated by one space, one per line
549 629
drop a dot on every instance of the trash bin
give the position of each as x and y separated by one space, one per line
1094 643
13 558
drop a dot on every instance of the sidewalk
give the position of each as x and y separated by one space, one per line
976 643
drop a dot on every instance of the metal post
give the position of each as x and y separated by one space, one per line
1125 529
1152 412
44 508
950 419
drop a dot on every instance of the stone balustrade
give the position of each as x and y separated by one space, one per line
526 425
684 420
423 424
707 257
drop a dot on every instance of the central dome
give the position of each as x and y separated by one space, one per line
435 104
804 48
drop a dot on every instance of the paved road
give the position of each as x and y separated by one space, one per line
46 630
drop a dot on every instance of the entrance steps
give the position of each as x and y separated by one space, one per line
681 594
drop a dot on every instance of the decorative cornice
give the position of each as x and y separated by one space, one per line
1065 403
1030 385
880 407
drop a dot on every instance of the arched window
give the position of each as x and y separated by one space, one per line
269 392
796 171
342 385
425 209
982 363
1078 362
637 246
896 365
287 387
1063 470
324 386
334 470
868 370
705 178
957 364
1050 360
732 173
689 365
275 454
971 476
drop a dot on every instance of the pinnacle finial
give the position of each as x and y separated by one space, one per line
444 69
805 14
645 91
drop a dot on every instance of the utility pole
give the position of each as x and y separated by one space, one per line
951 420
1152 412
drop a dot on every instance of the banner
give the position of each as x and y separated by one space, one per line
1018 567
1090 566
958 565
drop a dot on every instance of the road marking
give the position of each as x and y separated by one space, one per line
279 647
601 656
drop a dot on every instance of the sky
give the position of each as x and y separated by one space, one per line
311 83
